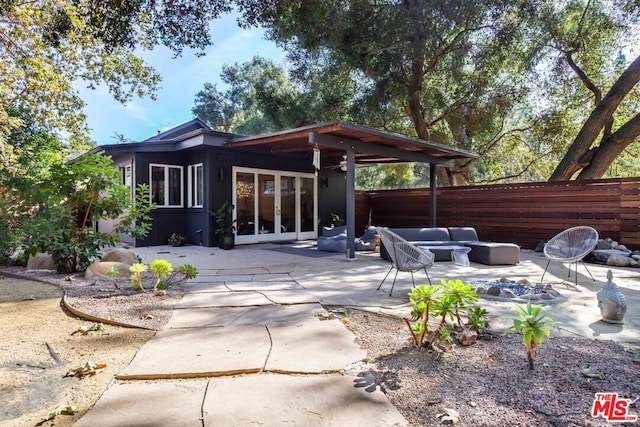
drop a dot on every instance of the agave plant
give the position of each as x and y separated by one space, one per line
534 325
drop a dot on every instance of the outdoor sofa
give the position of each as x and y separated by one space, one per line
489 253
334 239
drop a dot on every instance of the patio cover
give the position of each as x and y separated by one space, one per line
359 144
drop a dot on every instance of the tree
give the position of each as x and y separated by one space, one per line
46 46
449 72
72 197
491 77
262 97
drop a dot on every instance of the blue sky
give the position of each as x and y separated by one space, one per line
182 78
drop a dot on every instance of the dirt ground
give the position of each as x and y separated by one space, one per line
39 348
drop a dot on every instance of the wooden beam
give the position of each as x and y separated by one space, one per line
346 144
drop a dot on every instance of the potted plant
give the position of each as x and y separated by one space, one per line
225 226
177 240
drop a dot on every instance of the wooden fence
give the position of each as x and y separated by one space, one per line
520 213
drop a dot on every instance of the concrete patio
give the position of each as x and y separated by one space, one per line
247 331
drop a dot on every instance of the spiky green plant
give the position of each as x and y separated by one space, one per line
534 325
161 268
136 277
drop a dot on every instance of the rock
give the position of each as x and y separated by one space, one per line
524 282
121 255
507 294
504 280
41 261
636 257
540 246
481 290
604 254
101 268
618 260
467 337
546 295
603 244
494 291
552 292
548 286
531 297
622 248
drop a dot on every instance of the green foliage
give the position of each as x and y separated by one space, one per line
69 199
513 82
160 268
49 46
223 216
478 319
451 300
188 270
534 325
136 277
164 273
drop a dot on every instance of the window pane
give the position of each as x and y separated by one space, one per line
199 183
245 198
157 185
306 203
175 187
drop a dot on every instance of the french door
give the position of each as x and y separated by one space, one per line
274 205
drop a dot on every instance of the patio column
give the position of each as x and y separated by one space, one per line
433 183
351 205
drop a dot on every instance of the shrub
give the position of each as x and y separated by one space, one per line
449 300
533 324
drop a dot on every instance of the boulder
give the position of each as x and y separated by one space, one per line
619 260
494 291
603 244
603 255
41 261
622 248
125 256
507 294
467 337
100 269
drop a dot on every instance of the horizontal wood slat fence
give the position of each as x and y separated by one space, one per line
523 213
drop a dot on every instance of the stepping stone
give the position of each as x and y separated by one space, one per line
290 296
296 400
195 286
198 352
226 316
222 299
262 285
266 315
312 346
205 317
147 404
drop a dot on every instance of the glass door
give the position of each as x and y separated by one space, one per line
274 205
287 211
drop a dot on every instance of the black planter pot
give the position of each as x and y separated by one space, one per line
227 242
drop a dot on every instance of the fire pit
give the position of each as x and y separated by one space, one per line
510 290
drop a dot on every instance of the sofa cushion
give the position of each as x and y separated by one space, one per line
423 234
463 234
332 244
491 253
334 231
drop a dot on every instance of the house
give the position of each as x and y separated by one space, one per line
271 180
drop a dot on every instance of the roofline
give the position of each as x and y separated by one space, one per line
351 126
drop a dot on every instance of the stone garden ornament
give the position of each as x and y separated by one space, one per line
611 301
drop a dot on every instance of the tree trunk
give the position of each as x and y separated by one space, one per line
596 122
611 148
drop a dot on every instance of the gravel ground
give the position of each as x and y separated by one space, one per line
490 383
487 384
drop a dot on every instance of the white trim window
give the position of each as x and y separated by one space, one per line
166 185
195 179
125 178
